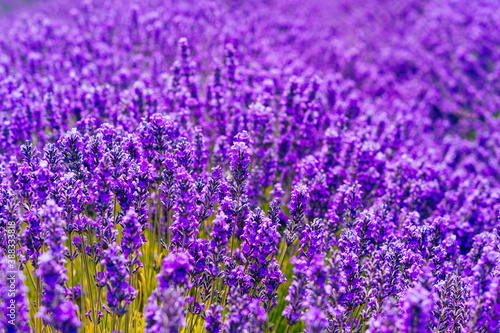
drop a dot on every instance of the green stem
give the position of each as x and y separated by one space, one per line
99 300
114 212
190 326
254 289
71 263
235 222
226 291
168 229
130 306
93 312
196 323
38 288
213 293
31 278
282 256
159 210
82 309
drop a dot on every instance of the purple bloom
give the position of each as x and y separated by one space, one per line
176 268
244 313
261 241
54 230
312 241
209 194
298 204
272 281
315 319
15 307
168 186
220 234
184 225
156 140
200 154
120 292
132 238
417 308
297 292
213 319
164 312
77 290
240 162
56 310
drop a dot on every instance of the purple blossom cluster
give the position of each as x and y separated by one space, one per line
259 166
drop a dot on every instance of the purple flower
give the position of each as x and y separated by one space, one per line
315 319
418 304
178 125
77 290
297 292
220 234
272 281
183 154
56 310
240 162
261 240
54 230
14 295
209 195
175 271
120 292
168 186
244 313
132 238
165 312
213 319
298 204
312 240
200 154
184 225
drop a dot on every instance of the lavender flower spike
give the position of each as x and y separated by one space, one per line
120 293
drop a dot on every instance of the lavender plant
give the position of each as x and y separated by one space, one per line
251 166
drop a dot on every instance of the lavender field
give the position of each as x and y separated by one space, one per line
250 166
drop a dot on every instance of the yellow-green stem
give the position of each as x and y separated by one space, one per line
93 311
159 209
82 308
190 325
71 264
130 305
235 222
282 256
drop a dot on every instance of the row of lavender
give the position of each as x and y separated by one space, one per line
256 167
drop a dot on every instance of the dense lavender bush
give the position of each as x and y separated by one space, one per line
252 166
